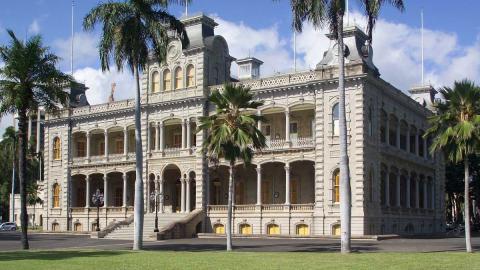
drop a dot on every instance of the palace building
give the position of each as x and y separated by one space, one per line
291 187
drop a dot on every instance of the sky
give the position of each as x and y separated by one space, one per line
262 28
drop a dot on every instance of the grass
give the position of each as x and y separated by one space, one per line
145 260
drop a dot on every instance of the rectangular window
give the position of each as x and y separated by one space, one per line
80 149
177 140
101 149
119 146
336 127
267 130
293 128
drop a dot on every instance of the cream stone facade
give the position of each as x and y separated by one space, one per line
291 188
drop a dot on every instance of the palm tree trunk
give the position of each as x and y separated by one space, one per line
230 207
138 211
345 189
22 172
468 241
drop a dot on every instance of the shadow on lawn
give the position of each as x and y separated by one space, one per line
54 255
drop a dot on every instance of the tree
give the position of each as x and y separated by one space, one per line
232 134
130 30
456 131
372 11
29 79
331 12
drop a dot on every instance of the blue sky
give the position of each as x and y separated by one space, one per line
262 28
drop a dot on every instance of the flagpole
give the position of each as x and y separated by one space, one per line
186 8
71 45
423 66
13 173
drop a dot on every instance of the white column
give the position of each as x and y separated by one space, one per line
417 191
259 185
287 185
287 126
106 143
183 134
425 194
387 188
87 191
125 141
88 145
160 190
162 135
29 131
39 119
157 137
105 190
149 138
259 123
408 192
125 179
182 196
189 136
398 201
187 203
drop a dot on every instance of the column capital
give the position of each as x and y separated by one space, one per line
258 168
287 167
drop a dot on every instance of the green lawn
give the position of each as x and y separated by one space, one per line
144 260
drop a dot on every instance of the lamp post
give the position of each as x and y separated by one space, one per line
154 198
97 199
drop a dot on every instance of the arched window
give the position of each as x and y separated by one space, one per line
273 229
190 76
336 186
56 195
56 148
155 82
219 228
55 227
336 229
335 120
303 230
383 126
77 227
370 121
178 78
167 80
393 129
245 229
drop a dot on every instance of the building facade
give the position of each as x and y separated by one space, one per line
291 187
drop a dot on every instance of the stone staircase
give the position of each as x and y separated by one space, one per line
125 232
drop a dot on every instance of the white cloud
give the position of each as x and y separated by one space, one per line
34 27
99 84
5 122
85 50
265 44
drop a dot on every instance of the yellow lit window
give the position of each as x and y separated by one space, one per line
336 186
273 229
219 229
155 82
303 230
245 229
56 149
178 78
190 76
167 80
336 229
56 195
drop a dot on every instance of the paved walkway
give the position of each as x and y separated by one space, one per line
11 241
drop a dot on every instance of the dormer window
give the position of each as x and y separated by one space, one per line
167 80
178 78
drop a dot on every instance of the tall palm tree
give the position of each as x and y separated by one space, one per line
232 134
29 79
456 131
130 31
372 11
330 13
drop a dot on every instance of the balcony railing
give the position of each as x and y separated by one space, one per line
172 151
300 142
263 208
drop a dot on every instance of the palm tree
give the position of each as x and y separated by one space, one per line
29 79
456 131
232 134
330 13
372 11
130 31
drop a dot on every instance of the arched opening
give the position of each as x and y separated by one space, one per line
155 82
172 189
273 229
115 141
393 129
131 145
383 185
78 191
303 230
56 148
403 135
413 191
393 187
245 184
421 143
219 228
403 189
151 192
55 227
274 127
413 139
167 80
383 126
97 143
79 144
77 227
302 182
114 189
56 195
273 183
131 176
245 229
173 134
219 185
302 123
96 183
190 76
336 230
178 78
193 190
